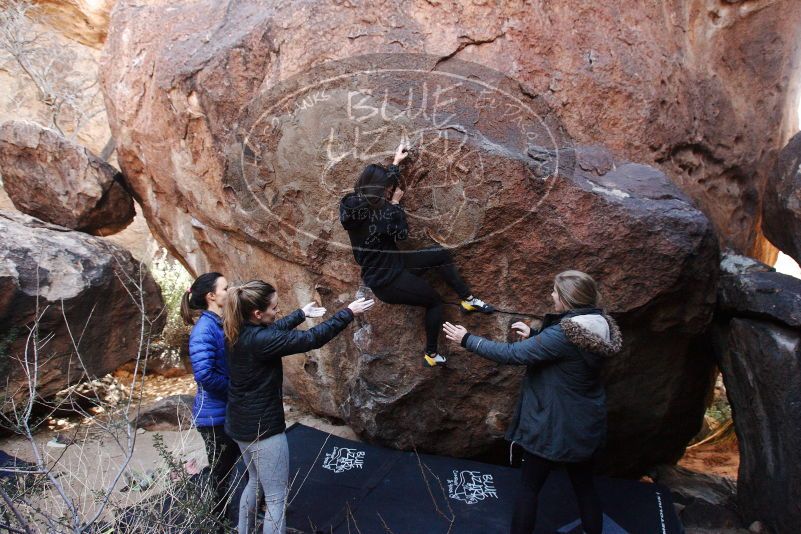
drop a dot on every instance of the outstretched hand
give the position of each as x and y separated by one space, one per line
522 329
359 306
312 310
454 332
397 194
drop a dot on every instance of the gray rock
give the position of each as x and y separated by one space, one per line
765 295
81 287
51 178
170 413
761 365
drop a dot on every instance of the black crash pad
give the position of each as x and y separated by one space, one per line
343 486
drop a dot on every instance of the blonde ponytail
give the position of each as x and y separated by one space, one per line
232 315
241 302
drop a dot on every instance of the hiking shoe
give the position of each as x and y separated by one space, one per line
474 304
433 359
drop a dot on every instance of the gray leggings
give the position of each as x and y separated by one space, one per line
267 461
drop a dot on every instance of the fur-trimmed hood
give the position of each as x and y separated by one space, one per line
593 332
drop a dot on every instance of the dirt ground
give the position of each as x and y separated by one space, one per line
715 458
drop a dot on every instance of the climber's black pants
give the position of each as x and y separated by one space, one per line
535 472
409 288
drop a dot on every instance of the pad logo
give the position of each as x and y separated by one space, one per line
471 487
342 459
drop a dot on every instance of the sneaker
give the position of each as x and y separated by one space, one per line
434 359
474 304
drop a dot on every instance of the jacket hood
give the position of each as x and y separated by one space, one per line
353 211
593 332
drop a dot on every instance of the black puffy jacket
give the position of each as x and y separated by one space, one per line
373 233
255 408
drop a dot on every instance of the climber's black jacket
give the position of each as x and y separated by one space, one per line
373 233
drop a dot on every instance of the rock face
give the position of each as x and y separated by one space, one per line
85 21
240 144
671 84
758 339
781 211
171 413
81 286
48 177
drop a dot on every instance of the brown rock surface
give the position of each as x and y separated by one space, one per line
239 167
48 177
81 286
705 90
81 20
781 211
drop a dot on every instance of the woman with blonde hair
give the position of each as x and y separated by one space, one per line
560 419
255 412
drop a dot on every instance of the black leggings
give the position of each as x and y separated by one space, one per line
535 473
409 288
223 452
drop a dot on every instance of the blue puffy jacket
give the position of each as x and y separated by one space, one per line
208 356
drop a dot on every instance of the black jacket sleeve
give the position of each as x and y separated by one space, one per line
276 343
290 321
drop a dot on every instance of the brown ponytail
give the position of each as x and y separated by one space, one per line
195 297
241 302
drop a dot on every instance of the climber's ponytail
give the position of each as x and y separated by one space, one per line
241 302
194 298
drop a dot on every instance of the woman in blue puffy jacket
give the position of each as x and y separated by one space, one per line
207 353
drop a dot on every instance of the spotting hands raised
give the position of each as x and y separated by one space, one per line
522 329
359 306
454 332
313 310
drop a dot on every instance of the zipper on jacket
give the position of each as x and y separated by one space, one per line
511 448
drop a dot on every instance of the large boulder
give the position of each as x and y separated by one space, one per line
758 341
86 295
781 209
239 166
672 84
50 178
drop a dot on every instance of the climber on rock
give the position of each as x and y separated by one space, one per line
375 220
560 419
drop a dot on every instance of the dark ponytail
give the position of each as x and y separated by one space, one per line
195 297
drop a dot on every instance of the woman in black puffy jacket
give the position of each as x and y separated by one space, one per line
255 413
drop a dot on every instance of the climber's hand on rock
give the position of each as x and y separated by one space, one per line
313 310
522 329
397 195
359 306
454 332
401 152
